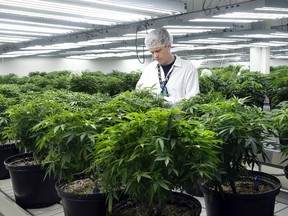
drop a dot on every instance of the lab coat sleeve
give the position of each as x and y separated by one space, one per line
149 79
191 89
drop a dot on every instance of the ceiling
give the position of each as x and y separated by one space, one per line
219 30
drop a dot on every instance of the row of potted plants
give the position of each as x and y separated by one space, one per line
29 188
86 81
244 130
231 81
130 140
7 146
149 148
254 85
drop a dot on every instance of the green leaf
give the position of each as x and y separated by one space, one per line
167 159
92 138
160 159
146 175
83 135
163 185
62 126
161 143
173 143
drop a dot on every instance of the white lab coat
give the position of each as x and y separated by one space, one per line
183 82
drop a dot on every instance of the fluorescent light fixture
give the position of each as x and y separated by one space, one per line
195 57
224 47
174 30
9 32
41 24
279 42
113 39
140 34
127 48
213 59
53 46
179 49
236 58
8 56
135 6
212 41
94 51
13 39
77 52
32 29
230 46
271 9
62 46
281 34
224 54
247 15
193 27
223 20
280 50
31 52
182 47
74 10
91 51
57 17
260 36
186 31
269 44
24 53
279 57
184 28
104 55
94 42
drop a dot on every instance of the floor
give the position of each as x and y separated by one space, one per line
8 207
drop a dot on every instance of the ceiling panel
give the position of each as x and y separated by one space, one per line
92 29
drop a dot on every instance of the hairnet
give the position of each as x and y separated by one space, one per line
158 38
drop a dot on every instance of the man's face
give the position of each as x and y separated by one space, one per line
161 54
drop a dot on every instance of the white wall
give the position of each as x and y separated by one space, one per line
23 66
273 62
276 63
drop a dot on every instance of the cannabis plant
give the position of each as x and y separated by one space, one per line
279 117
69 135
149 154
33 108
243 130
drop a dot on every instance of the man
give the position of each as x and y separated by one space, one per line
169 75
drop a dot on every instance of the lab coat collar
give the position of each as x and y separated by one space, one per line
177 62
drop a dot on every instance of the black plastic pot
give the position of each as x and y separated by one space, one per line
6 151
285 169
179 199
194 191
227 204
84 205
283 140
31 188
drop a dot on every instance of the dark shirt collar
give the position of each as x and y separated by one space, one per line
167 68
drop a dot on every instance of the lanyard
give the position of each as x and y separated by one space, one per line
164 90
